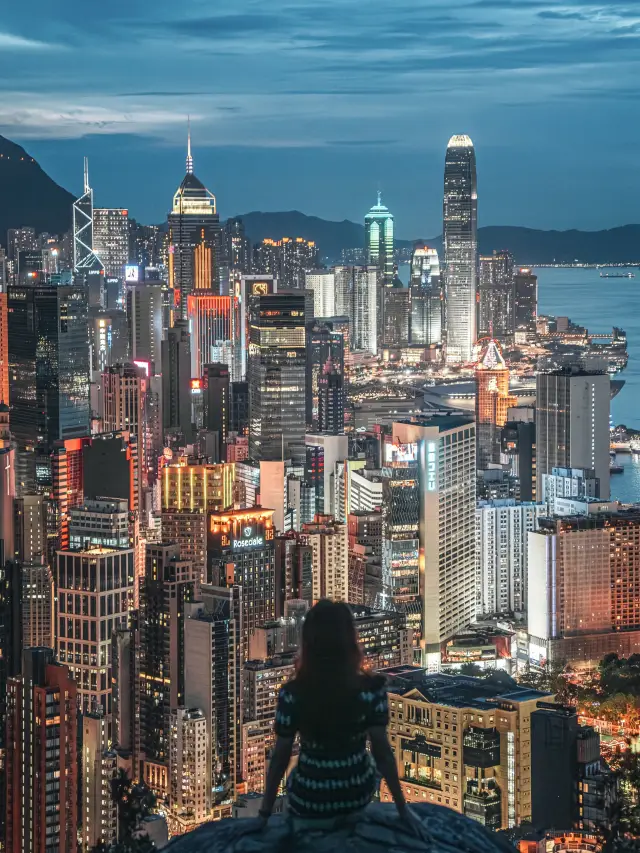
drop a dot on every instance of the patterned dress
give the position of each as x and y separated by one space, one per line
335 775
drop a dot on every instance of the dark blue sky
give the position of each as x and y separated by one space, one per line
312 105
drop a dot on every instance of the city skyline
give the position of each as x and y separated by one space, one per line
502 72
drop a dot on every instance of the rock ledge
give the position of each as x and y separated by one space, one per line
375 830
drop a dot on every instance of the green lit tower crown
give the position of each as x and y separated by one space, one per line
378 224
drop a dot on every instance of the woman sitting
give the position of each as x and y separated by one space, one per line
335 707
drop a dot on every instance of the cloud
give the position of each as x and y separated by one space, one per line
9 41
223 26
552 15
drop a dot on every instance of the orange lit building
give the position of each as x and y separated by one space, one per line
214 325
189 493
492 402
4 350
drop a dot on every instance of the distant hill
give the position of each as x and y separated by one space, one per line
28 196
531 246
528 245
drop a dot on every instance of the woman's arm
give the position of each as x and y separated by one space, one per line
386 764
277 768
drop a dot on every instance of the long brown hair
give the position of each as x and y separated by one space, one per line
329 672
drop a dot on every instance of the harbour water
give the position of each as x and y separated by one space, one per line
599 304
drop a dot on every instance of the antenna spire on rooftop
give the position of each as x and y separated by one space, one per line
189 157
86 174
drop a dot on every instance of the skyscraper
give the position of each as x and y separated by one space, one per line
572 423
37 605
396 313
4 347
325 355
168 585
214 643
277 377
145 319
379 244
176 380
460 215
42 772
492 403
323 284
84 257
123 406
214 326
427 303
8 485
365 306
189 493
525 300
445 447
111 239
99 575
495 295
583 575
287 260
241 552
217 408
194 239
501 553
49 363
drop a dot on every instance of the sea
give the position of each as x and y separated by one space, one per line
599 304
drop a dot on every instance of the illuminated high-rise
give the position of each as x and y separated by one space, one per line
49 366
460 223
168 585
492 403
365 309
84 258
525 300
445 450
277 377
378 226
111 239
287 260
214 326
427 304
98 575
189 493
194 239
42 768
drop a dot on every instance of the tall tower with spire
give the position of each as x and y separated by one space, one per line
83 254
194 239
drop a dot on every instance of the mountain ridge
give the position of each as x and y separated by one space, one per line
28 196
528 245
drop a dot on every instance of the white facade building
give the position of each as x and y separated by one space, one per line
365 491
189 791
323 284
329 559
446 452
502 528
364 311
